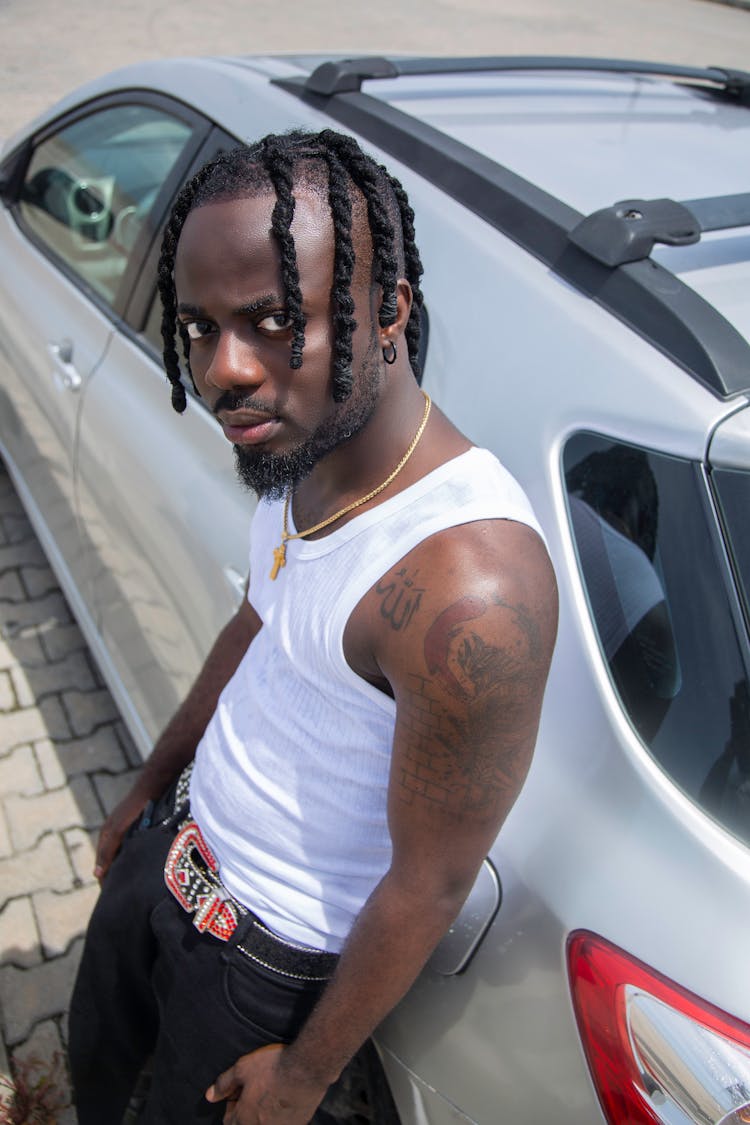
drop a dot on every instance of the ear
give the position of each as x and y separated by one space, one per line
392 332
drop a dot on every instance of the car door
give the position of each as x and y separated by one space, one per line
72 232
164 519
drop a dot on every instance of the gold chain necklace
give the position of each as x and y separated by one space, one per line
279 553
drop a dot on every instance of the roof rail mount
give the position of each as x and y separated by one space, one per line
736 83
627 231
345 75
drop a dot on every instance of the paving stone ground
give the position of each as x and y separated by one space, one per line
64 757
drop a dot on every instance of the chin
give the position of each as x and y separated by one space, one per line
271 475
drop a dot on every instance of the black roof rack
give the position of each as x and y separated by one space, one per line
345 75
630 285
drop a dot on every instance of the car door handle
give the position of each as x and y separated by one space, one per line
62 353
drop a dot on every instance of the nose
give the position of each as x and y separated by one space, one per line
234 363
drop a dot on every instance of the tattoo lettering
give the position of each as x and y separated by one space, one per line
401 598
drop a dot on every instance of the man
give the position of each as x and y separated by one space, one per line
365 722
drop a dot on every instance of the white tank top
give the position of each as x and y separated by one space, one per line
290 779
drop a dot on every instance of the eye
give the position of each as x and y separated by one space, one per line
275 323
198 328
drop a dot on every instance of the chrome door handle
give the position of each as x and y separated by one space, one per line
62 353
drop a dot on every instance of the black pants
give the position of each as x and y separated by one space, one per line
150 984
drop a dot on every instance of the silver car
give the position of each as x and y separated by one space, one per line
583 225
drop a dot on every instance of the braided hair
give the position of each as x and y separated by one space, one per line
327 161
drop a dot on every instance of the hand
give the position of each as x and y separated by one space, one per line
114 829
260 1092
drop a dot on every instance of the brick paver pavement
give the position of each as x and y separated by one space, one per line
64 758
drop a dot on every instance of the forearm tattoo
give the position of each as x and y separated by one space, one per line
468 725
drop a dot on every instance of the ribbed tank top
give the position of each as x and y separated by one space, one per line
290 779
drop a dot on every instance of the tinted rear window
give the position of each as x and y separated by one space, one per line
657 584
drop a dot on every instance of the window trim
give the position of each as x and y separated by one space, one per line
200 126
723 539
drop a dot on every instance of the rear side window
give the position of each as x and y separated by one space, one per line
657 590
89 188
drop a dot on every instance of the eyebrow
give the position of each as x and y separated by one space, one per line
267 301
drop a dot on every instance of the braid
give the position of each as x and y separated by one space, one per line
414 271
275 164
367 175
279 167
165 283
343 270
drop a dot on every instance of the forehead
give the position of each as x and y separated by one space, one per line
231 242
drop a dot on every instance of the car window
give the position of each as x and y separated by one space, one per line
88 189
657 589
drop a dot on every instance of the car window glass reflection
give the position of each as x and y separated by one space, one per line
657 595
89 188
614 508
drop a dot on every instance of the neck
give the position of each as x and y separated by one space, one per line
363 462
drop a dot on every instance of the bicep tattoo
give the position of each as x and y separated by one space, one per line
467 728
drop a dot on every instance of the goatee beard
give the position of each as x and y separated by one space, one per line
271 475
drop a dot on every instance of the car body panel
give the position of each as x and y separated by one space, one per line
601 838
156 630
730 443
47 333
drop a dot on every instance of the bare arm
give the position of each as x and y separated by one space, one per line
467 670
177 745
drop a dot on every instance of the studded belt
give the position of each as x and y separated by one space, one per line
191 873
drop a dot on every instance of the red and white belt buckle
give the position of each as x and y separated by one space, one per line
192 885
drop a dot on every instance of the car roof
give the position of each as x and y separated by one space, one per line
534 146
591 138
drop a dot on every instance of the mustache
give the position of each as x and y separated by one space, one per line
236 400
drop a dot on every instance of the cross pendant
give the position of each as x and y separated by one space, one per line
279 560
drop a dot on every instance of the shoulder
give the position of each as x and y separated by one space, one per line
486 557
462 602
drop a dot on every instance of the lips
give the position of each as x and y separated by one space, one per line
247 427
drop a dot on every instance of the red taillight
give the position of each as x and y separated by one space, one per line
655 1049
